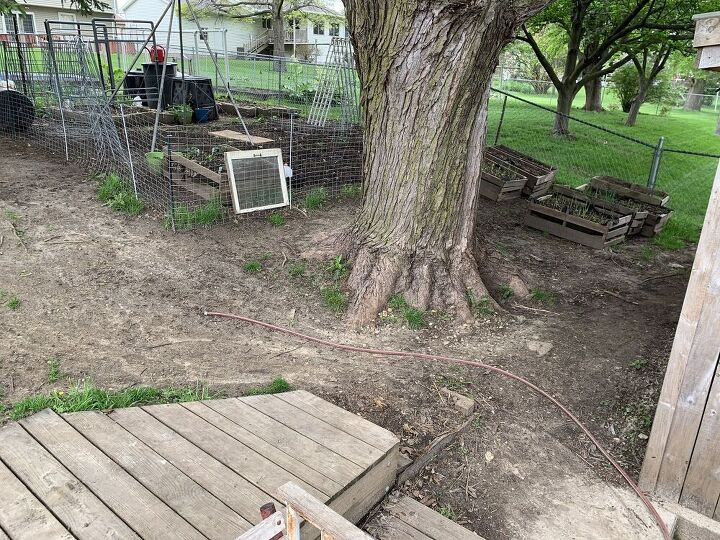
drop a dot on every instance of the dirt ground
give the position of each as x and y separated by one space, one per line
120 301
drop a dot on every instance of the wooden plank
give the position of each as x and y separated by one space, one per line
340 442
707 253
394 528
78 509
237 136
428 521
702 483
201 509
203 191
305 450
707 30
196 167
132 502
595 241
228 486
254 467
23 515
568 218
332 524
630 190
255 439
266 529
350 423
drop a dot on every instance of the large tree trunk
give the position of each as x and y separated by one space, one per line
425 70
637 103
564 104
593 95
278 33
695 96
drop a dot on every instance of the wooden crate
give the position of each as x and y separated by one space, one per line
575 228
540 176
501 189
638 216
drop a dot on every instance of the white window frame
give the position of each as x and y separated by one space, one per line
70 29
266 152
66 13
7 30
321 24
330 29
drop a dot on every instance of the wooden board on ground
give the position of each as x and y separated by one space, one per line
410 519
242 137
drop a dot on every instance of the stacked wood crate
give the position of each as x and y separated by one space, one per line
540 176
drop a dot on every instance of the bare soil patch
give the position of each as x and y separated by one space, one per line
120 301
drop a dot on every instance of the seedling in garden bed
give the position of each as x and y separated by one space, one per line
252 267
639 364
53 370
334 298
277 220
544 297
315 199
14 303
296 269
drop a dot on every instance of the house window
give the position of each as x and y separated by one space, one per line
319 29
335 29
25 21
69 21
267 23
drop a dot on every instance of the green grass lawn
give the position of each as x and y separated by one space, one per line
590 151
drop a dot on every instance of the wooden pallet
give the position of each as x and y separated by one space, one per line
540 176
575 228
638 216
499 189
193 470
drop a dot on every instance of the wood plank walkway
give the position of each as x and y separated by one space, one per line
188 471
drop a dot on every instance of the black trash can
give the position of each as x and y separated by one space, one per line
152 73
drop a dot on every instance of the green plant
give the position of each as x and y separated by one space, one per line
183 113
315 199
13 303
338 268
480 306
208 214
88 397
277 386
414 318
647 253
11 215
639 364
276 219
126 202
542 296
447 512
351 190
334 298
118 194
506 292
53 370
296 269
252 267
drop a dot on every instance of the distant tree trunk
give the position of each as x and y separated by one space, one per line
425 71
278 33
695 96
593 95
564 105
640 98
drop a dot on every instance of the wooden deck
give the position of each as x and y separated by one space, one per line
187 471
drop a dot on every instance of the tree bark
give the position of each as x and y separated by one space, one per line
695 97
564 105
593 95
425 70
278 32
637 103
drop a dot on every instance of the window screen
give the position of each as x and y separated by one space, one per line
257 179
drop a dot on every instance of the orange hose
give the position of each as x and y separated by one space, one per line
436 358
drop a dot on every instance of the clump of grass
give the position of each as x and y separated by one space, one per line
672 236
447 512
334 298
351 190
338 268
88 397
506 292
542 296
414 318
118 194
206 215
252 267
11 215
13 303
277 386
53 370
297 269
481 306
316 198
277 220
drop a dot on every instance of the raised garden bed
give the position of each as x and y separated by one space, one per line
499 182
634 196
540 176
609 201
577 220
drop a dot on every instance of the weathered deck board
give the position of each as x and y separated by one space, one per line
313 454
338 441
80 511
20 511
149 516
427 522
201 509
211 474
193 470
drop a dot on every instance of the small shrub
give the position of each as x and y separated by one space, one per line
53 370
351 190
544 297
296 269
14 303
252 267
334 298
277 386
277 220
316 198
206 215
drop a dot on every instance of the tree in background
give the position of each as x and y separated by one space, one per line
425 69
599 35
700 83
521 60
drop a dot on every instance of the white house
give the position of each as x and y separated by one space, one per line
38 11
307 37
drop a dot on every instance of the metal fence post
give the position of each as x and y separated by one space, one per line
502 117
655 167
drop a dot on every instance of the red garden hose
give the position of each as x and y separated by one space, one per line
436 358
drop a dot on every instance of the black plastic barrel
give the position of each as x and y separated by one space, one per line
153 73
